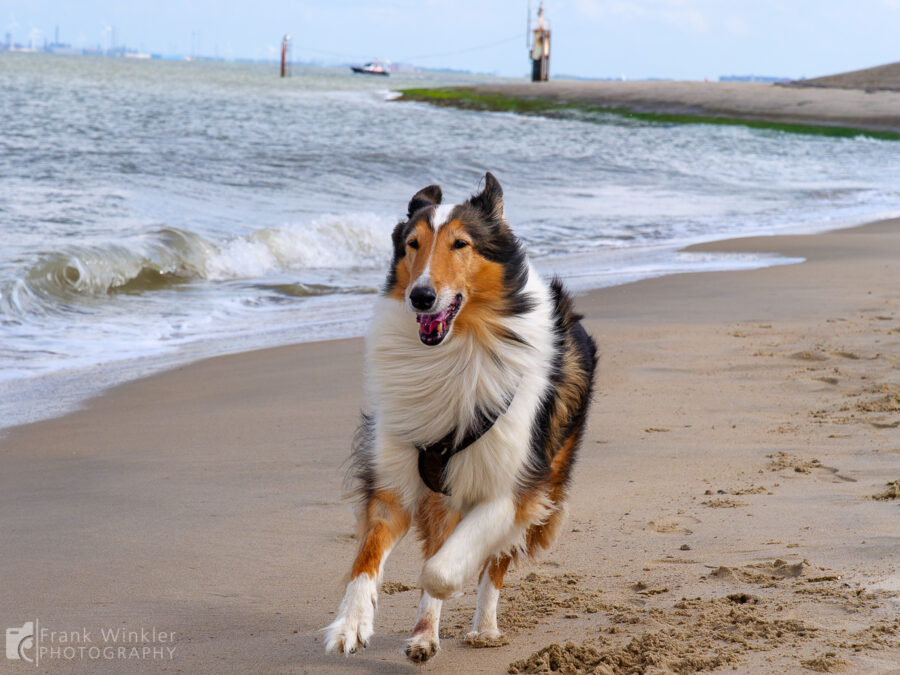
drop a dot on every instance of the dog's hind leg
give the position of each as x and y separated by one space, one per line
435 523
484 626
385 521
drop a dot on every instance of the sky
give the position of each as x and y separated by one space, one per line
634 39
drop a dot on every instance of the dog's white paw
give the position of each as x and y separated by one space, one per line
354 625
441 580
347 635
420 648
486 638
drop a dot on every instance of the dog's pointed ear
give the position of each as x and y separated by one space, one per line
490 200
427 196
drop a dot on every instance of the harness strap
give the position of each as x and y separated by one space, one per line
433 458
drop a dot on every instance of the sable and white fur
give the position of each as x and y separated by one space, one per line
513 336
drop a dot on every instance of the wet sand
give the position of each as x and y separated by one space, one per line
752 101
730 507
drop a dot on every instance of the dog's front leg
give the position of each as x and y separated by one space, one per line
486 530
424 641
385 521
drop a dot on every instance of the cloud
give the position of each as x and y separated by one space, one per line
683 14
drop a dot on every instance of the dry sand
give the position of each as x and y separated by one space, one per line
877 111
730 509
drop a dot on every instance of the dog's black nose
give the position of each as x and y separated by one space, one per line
422 298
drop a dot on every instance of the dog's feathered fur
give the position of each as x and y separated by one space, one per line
504 337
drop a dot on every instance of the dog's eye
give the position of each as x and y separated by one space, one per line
459 243
413 244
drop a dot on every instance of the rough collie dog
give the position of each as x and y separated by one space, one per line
479 380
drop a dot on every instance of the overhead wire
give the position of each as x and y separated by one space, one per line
410 59
466 49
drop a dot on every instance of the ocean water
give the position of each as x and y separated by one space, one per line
153 213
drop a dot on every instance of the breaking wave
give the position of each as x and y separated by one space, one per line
172 257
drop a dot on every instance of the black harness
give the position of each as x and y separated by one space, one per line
433 459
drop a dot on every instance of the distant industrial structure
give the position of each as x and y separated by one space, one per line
58 47
540 46
752 78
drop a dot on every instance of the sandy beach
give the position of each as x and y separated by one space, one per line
874 110
730 508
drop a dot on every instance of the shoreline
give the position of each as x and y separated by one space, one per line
73 395
822 111
71 392
743 428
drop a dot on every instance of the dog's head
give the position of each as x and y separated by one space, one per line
457 267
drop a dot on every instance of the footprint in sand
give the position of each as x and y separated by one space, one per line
761 573
808 355
782 461
672 524
892 492
828 380
847 355
887 401
392 587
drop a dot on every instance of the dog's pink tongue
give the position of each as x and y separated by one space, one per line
429 323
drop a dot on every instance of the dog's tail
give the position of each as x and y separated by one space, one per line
360 478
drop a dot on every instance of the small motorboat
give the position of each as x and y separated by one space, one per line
371 68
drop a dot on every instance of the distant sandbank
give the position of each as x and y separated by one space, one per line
829 111
879 78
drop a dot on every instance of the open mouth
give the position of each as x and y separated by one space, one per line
433 328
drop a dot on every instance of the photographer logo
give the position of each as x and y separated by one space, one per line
20 644
36 644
